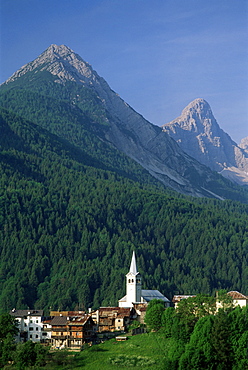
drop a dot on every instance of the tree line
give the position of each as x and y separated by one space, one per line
199 336
68 228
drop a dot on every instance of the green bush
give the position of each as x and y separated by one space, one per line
131 361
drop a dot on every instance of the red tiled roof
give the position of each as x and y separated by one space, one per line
115 309
236 295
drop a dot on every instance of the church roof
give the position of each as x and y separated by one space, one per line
123 299
133 267
148 295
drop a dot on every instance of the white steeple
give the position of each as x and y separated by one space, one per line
133 284
133 267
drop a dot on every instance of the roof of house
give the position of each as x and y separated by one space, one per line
178 297
59 320
119 309
237 295
67 313
148 295
22 313
80 320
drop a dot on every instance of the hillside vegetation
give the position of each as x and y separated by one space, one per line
70 218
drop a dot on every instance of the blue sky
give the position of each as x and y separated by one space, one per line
158 55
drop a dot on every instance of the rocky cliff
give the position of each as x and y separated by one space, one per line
126 130
198 134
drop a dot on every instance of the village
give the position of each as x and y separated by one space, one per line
73 329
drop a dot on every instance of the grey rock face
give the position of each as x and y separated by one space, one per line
198 134
128 131
244 144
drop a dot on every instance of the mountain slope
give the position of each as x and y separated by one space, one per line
73 208
62 76
68 229
198 134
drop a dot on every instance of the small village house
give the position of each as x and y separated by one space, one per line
71 331
177 298
30 324
113 318
239 299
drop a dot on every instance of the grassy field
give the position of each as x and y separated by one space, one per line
139 352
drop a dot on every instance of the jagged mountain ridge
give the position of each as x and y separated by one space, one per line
126 130
244 144
198 134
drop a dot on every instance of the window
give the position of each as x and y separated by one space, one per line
31 321
37 336
37 328
44 334
31 328
30 336
61 333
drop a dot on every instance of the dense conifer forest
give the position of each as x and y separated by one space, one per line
74 208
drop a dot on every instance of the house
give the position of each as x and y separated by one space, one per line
30 325
177 298
67 313
81 330
134 292
71 331
113 318
59 331
140 309
239 299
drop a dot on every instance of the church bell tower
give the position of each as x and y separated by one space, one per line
133 284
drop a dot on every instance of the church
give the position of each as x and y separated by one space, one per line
134 292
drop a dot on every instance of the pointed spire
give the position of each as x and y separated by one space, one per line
133 267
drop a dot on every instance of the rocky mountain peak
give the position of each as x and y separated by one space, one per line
244 144
197 106
61 62
199 135
58 50
196 117
127 130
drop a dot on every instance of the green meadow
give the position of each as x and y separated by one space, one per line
139 351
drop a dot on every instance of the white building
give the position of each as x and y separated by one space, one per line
30 325
134 292
239 299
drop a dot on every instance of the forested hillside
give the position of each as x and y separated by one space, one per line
76 112
70 218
